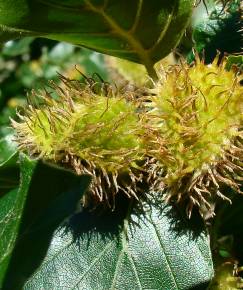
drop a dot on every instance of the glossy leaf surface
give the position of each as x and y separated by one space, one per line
143 31
11 209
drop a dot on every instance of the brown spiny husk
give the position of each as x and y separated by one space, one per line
91 128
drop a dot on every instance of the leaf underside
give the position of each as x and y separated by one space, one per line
143 31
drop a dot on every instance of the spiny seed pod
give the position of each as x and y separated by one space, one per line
91 129
194 133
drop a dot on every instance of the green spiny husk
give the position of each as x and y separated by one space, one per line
194 133
89 128
185 137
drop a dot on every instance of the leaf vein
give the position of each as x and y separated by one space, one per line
166 258
107 247
137 17
134 268
129 38
163 32
117 268
51 259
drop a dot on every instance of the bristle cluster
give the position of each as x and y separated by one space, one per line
184 138
194 133
90 128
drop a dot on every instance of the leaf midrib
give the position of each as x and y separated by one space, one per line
125 250
163 249
96 259
125 34
143 54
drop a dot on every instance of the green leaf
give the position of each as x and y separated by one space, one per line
11 208
8 229
9 169
9 178
143 31
8 151
53 196
114 251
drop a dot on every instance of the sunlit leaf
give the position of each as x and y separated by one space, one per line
111 252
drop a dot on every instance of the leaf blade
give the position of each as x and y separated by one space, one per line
8 151
143 31
46 206
150 256
11 207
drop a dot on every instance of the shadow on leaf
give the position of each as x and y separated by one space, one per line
53 196
108 224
